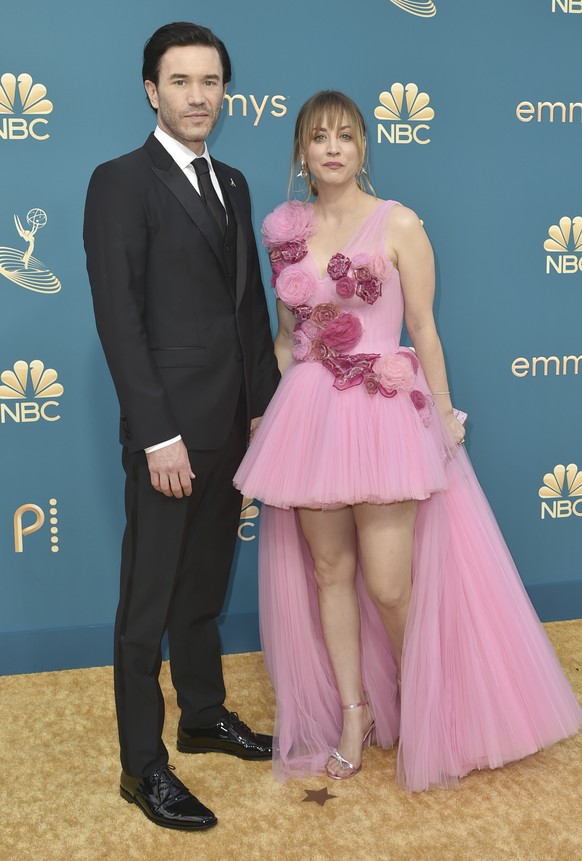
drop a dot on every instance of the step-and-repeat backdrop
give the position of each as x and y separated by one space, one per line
474 114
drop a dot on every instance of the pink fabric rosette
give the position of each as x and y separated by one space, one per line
394 372
343 333
371 384
319 350
291 221
361 267
369 290
302 312
293 252
294 286
345 287
338 266
323 314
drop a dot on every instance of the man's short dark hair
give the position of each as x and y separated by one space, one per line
179 34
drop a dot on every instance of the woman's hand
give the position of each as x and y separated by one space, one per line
254 425
456 429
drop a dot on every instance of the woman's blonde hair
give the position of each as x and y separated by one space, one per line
333 106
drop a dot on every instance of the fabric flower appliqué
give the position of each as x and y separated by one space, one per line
394 372
285 232
289 222
343 333
325 333
387 374
338 266
289 252
295 286
323 314
362 276
345 287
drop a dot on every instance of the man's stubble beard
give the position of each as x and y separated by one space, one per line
172 123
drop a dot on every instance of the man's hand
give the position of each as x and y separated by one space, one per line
170 470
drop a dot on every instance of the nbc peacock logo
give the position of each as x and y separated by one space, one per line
564 244
404 112
21 96
561 492
29 393
248 516
421 8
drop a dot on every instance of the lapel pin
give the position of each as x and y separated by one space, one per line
232 182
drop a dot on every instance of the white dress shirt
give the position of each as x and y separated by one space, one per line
184 158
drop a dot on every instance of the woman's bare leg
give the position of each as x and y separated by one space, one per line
331 537
385 536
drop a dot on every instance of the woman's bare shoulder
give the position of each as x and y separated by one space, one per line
403 219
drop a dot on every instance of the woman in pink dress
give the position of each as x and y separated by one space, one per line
390 605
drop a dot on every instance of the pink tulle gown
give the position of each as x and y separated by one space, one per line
353 421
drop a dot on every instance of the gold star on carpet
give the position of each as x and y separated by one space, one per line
320 796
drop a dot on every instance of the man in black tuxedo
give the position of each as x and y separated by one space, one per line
182 317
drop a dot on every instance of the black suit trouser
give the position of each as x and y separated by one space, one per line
176 560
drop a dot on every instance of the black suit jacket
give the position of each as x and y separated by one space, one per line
180 335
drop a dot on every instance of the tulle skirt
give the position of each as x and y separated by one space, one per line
481 684
318 447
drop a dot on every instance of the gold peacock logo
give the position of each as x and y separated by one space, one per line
392 105
23 108
31 96
30 381
561 492
564 245
404 113
562 482
566 235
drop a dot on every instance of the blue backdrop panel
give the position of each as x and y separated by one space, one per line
474 114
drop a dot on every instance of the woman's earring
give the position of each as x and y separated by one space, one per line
303 173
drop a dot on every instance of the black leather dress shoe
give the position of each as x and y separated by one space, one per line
166 801
229 735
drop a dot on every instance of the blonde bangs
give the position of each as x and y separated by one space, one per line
330 107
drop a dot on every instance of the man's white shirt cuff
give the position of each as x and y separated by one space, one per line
158 445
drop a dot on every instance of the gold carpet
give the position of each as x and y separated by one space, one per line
59 797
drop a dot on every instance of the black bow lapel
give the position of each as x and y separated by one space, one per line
230 190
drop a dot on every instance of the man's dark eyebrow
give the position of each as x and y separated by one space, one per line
184 75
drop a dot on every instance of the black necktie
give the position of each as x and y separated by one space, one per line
208 192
